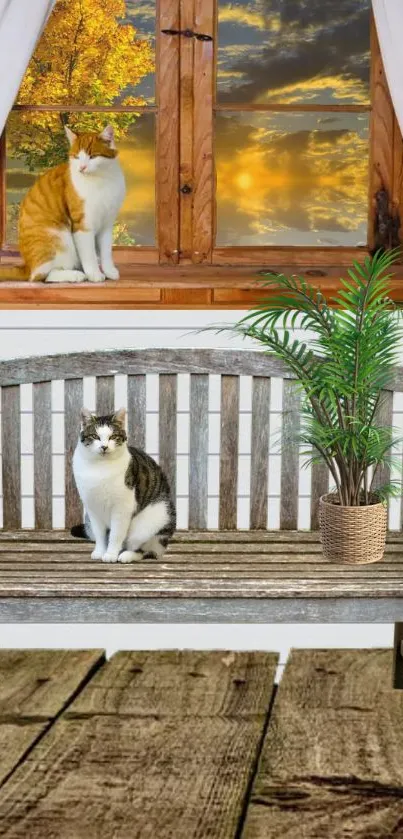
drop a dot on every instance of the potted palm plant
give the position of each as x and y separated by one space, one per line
343 374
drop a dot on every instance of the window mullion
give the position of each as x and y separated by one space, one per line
204 84
167 161
187 185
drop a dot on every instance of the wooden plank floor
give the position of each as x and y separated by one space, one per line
156 746
34 689
191 745
332 761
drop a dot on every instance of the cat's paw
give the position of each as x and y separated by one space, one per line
110 557
96 554
129 556
65 275
111 272
95 276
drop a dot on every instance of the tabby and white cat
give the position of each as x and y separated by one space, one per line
68 215
126 495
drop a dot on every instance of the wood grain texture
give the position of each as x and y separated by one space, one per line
73 107
319 486
259 564
330 765
198 451
397 657
186 130
381 132
289 457
179 298
171 287
397 192
161 746
42 419
167 428
134 362
73 402
105 395
11 456
203 160
204 610
294 107
384 417
274 258
167 138
136 410
229 452
34 686
259 452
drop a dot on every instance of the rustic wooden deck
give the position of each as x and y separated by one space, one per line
195 745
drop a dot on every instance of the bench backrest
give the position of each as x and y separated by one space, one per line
233 483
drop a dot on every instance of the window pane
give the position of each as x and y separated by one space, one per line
305 51
94 52
35 141
292 179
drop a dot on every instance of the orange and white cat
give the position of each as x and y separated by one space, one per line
67 216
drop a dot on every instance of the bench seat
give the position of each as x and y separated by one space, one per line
206 576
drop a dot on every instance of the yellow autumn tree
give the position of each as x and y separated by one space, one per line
89 54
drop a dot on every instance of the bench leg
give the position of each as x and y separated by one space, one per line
398 658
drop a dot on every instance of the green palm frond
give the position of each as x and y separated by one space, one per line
343 370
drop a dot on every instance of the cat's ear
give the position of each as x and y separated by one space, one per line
120 416
86 416
71 136
108 135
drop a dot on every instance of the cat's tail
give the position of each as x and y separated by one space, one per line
8 273
79 531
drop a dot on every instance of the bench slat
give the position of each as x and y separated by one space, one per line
198 450
289 457
319 486
229 452
167 427
136 410
42 403
259 452
73 402
384 414
105 394
11 456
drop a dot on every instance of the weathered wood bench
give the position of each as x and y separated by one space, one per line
222 575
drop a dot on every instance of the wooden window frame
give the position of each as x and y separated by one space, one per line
185 269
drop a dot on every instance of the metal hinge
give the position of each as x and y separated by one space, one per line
187 33
387 224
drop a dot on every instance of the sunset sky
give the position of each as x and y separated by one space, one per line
292 179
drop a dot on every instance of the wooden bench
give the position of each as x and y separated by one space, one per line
222 575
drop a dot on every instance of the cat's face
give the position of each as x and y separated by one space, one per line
91 154
103 436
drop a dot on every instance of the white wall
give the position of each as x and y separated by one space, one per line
35 333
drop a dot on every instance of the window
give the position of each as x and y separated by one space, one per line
254 134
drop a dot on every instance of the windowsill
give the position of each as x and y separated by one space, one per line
167 286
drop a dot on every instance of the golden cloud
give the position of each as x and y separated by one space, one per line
320 188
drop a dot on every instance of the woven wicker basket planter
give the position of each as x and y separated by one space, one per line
352 534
